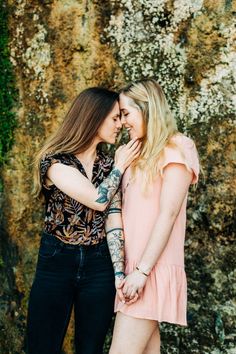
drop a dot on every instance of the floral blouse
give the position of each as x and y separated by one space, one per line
66 218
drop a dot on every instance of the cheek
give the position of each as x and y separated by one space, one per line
108 128
138 124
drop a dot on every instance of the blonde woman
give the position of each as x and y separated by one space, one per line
155 189
81 250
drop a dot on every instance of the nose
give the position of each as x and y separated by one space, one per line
123 119
119 124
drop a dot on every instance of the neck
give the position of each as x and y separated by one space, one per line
90 154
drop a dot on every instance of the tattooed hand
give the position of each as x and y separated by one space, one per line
118 281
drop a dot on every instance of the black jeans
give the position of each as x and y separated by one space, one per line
67 276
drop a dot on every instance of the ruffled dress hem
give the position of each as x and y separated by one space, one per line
164 297
146 317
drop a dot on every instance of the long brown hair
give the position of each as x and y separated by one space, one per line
79 128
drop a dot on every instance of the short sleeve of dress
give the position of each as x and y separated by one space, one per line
183 152
48 161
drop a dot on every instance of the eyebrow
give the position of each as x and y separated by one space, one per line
116 115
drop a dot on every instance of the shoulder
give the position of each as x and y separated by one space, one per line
181 144
183 141
53 158
50 159
181 149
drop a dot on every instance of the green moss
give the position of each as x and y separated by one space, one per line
8 92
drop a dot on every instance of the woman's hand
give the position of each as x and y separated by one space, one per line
126 154
132 286
118 281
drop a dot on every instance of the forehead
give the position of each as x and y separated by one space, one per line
125 102
115 110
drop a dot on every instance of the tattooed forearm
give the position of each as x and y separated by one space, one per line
115 240
109 186
115 205
115 235
114 211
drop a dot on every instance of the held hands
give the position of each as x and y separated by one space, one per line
131 287
118 281
126 154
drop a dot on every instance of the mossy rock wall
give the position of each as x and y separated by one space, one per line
58 48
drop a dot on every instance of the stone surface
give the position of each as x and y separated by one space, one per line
60 47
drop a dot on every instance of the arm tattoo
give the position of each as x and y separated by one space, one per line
116 201
115 235
114 211
115 241
109 186
115 205
116 229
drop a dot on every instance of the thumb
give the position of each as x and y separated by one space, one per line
140 291
119 286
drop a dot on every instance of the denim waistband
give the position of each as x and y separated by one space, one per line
56 240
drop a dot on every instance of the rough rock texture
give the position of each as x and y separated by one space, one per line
60 47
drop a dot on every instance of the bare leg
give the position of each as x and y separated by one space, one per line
154 343
131 335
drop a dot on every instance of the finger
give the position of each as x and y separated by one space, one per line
129 292
121 295
131 142
136 152
139 291
135 298
131 301
136 155
121 284
117 149
137 147
133 294
125 288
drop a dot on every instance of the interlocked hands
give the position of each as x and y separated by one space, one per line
129 288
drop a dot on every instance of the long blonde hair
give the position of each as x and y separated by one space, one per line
79 128
149 98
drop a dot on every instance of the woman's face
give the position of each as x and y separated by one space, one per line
131 118
111 126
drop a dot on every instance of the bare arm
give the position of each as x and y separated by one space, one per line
176 181
77 186
72 182
115 239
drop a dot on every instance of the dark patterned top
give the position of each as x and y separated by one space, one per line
67 219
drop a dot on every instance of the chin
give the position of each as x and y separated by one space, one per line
133 135
112 141
136 135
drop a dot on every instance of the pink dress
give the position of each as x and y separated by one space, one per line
164 297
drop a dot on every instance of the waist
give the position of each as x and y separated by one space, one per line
54 240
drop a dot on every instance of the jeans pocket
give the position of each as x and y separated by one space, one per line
48 249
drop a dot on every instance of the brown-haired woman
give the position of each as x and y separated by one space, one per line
82 242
